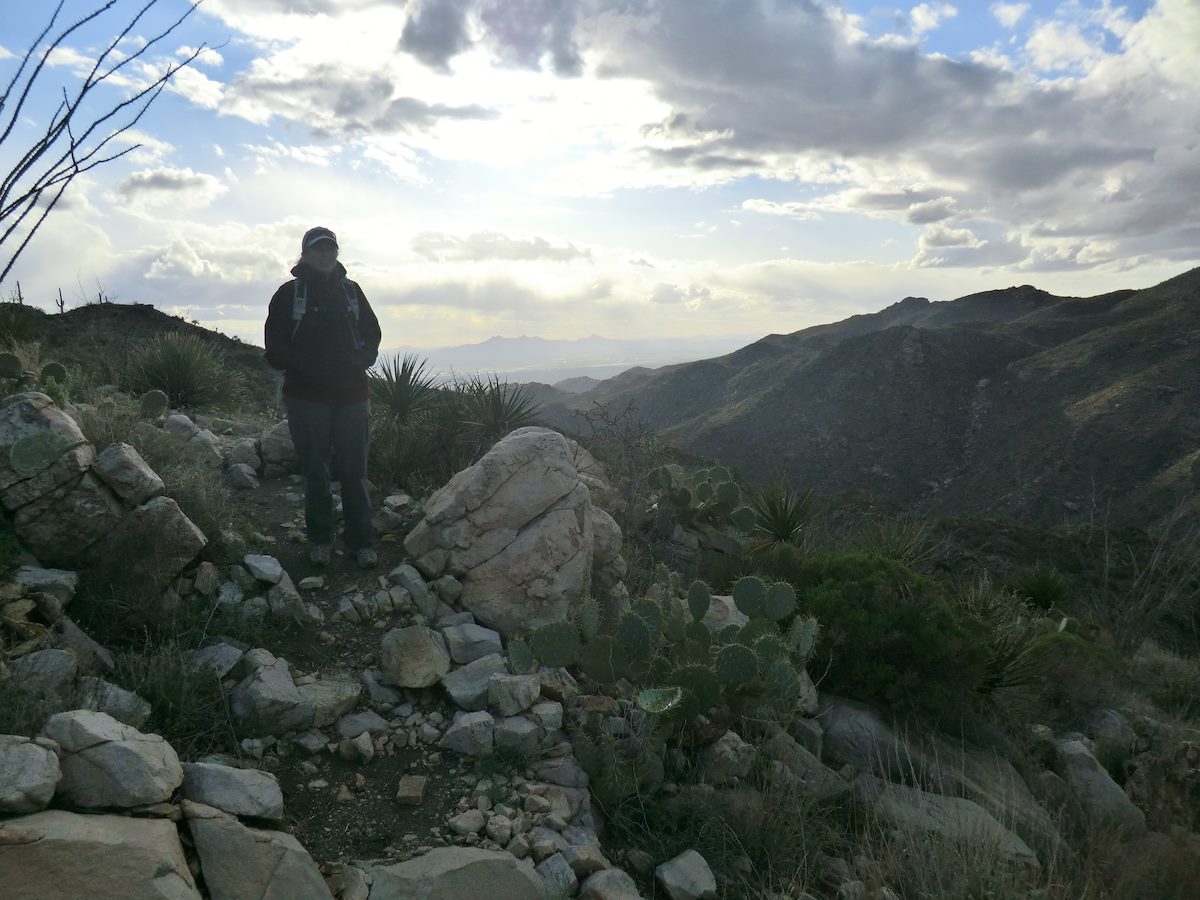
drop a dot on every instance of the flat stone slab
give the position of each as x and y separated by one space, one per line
54 854
241 792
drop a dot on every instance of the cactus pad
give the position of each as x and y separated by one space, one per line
53 371
635 636
743 518
651 613
556 644
756 628
748 594
703 691
769 648
718 474
698 599
589 618
657 701
603 660
153 404
736 665
10 366
698 633
520 657
802 636
674 624
781 681
779 602
728 494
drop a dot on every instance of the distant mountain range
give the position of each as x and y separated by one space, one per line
550 361
1013 403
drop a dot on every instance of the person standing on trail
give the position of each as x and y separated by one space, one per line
323 334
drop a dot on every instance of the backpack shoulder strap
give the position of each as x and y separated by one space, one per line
299 302
351 297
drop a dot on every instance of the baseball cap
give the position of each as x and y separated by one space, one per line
314 235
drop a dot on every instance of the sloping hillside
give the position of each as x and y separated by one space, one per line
1011 402
97 337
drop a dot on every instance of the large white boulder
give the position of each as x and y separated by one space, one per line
108 764
29 774
516 529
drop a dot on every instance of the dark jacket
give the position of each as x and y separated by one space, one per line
326 359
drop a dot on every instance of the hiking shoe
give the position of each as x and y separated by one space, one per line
321 554
366 557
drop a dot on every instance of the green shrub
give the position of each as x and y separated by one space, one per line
889 634
187 708
10 547
22 713
1081 675
189 371
1172 682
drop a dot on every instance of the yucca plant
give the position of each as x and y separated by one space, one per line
1041 587
491 408
1015 655
403 389
781 516
189 371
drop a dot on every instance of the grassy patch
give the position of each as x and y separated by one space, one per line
189 709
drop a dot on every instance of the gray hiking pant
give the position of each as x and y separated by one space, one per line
332 443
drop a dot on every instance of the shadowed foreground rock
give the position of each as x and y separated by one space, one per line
452 873
49 855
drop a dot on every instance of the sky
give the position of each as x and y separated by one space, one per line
624 168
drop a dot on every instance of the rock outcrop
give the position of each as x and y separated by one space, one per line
518 531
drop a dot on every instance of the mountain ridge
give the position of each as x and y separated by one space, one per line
1014 402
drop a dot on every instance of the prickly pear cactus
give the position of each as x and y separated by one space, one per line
769 648
698 599
743 518
589 618
555 644
658 701
749 593
53 371
702 689
634 636
782 681
736 665
10 366
603 660
779 602
802 636
520 657
650 613
153 404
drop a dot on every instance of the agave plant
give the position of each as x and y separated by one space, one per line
781 516
491 408
189 371
403 389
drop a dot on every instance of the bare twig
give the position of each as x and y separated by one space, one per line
64 151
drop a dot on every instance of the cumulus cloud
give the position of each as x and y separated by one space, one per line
1058 45
928 16
1009 14
180 188
332 99
492 245
436 32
